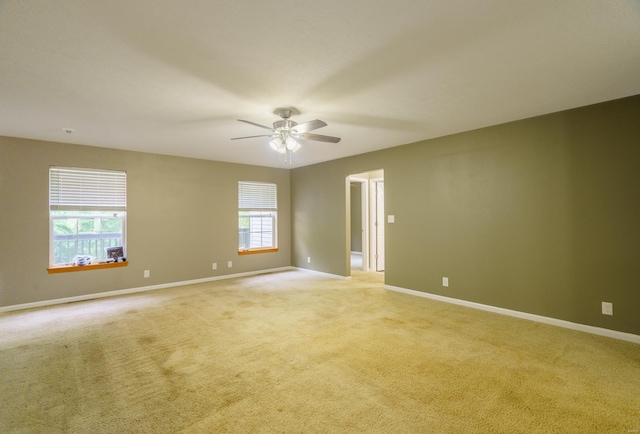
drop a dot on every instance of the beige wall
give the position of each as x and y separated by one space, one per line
539 216
196 199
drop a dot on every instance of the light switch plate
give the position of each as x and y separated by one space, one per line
391 219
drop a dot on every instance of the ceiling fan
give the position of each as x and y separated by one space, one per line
285 133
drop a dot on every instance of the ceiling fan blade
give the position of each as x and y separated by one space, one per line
251 137
308 126
254 124
317 137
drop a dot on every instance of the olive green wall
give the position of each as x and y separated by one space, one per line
182 217
539 216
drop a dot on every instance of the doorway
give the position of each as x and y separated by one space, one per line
366 221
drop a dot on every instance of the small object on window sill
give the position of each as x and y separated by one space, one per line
82 260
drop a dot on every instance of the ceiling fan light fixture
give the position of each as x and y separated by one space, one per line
285 132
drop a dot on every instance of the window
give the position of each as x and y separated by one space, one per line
257 217
87 212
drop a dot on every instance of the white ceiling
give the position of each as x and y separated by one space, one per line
172 77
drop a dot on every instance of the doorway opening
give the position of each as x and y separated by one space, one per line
366 221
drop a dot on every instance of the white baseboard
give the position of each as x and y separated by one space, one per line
134 290
321 273
523 315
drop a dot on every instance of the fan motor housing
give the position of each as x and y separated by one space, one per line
284 124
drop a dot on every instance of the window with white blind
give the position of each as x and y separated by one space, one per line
87 212
257 217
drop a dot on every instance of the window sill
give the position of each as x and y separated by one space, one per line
254 251
72 268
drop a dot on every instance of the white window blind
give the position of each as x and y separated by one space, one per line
87 189
257 196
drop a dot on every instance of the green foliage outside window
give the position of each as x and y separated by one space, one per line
85 233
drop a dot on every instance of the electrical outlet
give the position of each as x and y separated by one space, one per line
214 266
607 308
146 273
308 259
229 264
445 281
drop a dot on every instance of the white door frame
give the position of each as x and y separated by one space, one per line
373 213
364 194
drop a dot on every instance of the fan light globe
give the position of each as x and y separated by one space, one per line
292 145
278 146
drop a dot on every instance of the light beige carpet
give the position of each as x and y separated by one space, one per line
295 352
